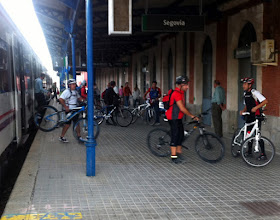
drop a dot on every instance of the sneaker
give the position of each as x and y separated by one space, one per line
177 160
63 139
181 157
262 157
157 124
81 139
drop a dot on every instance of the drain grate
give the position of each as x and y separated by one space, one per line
263 208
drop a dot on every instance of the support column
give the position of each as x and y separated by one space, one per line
89 41
73 56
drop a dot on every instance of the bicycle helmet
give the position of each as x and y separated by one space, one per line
71 81
182 80
248 80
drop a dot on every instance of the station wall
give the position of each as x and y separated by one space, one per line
182 53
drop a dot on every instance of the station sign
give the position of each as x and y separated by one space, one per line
172 23
242 52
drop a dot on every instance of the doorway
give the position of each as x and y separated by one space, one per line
245 68
207 79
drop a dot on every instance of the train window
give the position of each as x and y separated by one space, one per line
5 83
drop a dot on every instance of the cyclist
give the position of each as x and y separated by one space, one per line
154 94
39 91
111 99
254 101
175 114
68 100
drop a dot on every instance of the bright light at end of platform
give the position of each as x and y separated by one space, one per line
23 14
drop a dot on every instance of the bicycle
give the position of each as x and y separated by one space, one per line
208 145
123 116
248 144
140 111
49 118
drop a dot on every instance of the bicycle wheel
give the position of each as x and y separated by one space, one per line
255 158
151 116
236 143
46 119
82 127
98 116
209 147
135 116
124 117
158 141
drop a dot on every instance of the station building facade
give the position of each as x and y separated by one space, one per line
209 55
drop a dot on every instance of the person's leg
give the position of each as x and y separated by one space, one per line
174 141
156 107
64 130
134 103
180 136
215 117
219 121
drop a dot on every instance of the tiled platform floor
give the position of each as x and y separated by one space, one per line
131 183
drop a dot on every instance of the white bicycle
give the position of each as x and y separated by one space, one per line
256 150
145 112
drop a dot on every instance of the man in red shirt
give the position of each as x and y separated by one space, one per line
174 114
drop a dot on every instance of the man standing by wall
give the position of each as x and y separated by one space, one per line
39 91
218 105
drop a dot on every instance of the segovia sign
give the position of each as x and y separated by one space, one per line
172 23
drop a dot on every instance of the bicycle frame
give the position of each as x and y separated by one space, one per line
255 130
73 114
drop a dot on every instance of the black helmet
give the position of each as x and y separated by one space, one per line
182 80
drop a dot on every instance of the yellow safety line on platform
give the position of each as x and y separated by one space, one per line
45 216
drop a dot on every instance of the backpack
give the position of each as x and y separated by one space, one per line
103 94
166 99
154 93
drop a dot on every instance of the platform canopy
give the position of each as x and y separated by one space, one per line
60 19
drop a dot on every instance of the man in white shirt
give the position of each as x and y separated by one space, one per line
69 99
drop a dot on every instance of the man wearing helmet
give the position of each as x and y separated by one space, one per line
254 101
68 99
174 115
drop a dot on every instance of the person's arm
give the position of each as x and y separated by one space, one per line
259 105
146 93
62 102
183 109
244 110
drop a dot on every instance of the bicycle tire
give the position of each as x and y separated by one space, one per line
47 118
151 118
206 150
123 117
158 141
98 116
135 116
270 153
235 149
83 123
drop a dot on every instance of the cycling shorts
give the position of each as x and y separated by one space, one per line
74 119
177 132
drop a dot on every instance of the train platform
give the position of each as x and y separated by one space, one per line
131 183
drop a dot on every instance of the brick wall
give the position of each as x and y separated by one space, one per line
271 74
221 54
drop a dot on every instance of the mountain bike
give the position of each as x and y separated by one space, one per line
145 112
256 150
48 118
208 146
123 116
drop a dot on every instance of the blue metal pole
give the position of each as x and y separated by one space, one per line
73 56
91 141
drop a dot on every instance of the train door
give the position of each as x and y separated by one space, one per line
245 67
17 85
207 79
